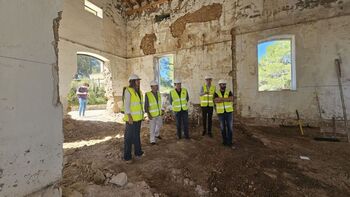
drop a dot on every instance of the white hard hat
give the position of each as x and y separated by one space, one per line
222 81
154 83
134 77
177 81
208 77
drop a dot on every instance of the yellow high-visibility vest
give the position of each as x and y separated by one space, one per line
224 106
154 107
136 106
207 99
179 103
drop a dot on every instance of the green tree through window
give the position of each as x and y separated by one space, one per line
275 65
166 73
88 65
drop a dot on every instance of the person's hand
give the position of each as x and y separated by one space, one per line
130 121
218 100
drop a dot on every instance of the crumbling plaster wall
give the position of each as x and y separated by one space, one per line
82 31
204 47
317 45
31 136
320 29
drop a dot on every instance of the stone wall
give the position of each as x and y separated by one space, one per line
202 34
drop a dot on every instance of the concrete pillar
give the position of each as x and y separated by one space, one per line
31 134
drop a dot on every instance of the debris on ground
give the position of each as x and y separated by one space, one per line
120 180
266 163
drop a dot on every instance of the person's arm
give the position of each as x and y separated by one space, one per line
147 107
78 92
216 98
229 99
202 92
127 110
170 99
187 97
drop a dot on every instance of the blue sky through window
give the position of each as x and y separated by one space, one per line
164 63
262 48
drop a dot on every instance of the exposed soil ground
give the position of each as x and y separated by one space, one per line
266 162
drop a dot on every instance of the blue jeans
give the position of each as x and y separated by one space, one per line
132 136
226 123
182 122
82 106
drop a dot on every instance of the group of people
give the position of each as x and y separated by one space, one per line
210 98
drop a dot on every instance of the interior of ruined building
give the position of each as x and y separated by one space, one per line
47 151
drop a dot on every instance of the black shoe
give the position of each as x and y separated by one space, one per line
159 137
153 143
203 133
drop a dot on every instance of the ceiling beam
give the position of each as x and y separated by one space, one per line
128 2
145 7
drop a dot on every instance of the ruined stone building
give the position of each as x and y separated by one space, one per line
40 41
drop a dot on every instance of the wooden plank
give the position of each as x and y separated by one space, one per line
129 3
145 7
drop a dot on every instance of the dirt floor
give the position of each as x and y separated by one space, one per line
266 162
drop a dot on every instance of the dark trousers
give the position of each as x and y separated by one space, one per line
132 136
182 123
226 122
207 116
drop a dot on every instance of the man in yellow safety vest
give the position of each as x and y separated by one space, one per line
153 108
133 117
207 104
179 99
223 99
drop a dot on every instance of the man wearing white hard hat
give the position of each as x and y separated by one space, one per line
223 99
207 104
133 117
179 99
153 108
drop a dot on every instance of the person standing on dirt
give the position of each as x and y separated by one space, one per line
179 99
207 104
133 117
223 99
153 108
83 93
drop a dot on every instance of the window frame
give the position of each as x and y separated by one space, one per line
290 37
93 9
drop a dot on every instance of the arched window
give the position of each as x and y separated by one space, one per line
88 67
276 63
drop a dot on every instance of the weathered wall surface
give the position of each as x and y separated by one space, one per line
199 34
317 45
82 31
31 134
320 30
196 34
